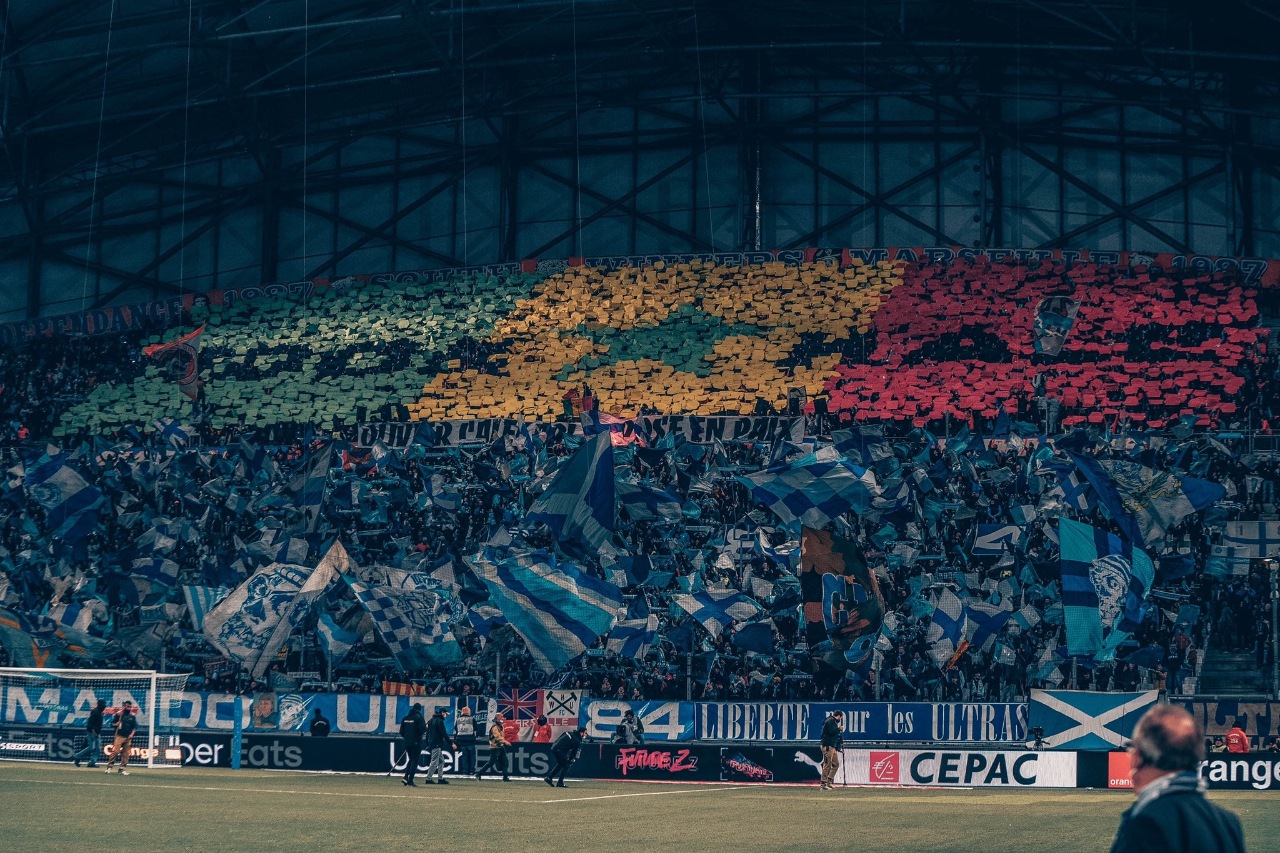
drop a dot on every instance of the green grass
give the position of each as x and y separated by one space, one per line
57 807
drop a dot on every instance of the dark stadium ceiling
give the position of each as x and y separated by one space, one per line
165 78
98 93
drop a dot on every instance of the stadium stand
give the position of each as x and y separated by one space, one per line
925 377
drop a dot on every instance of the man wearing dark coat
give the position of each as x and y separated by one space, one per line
565 751
412 730
1171 813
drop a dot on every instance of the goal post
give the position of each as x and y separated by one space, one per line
35 701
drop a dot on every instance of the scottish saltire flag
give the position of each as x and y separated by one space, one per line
1104 583
173 433
645 503
71 505
983 623
1053 320
812 492
413 622
557 608
992 540
842 603
1083 720
578 506
253 623
631 638
202 599
1073 488
946 631
184 353
715 610
255 461
1143 501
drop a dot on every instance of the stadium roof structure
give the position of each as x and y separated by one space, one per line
153 146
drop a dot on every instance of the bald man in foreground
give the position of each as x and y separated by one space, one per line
1171 814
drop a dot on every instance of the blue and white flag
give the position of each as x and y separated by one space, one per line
78 617
202 599
335 642
992 540
631 638
253 623
156 571
983 623
413 620
645 503
578 506
946 631
1251 540
1084 720
1104 582
1143 501
308 483
70 503
1053 320
812 491
557 608
171 432
715 610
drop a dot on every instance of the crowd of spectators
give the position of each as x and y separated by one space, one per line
218 510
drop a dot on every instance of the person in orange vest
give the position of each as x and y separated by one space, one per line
1237 740
498 743
511 731
542 730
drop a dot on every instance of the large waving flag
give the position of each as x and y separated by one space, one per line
202 599
69 502
185 355
253 623
1143 501
335 641
412 621
556 607
1104 582
946 631
646 503
307 485
631 638
578 504
843 605
983 623
715 610
813 491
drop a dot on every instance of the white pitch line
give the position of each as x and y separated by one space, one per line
648 794
271 791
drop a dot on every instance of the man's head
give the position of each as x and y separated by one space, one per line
464 711
1166 740
628 713
127 706
102 703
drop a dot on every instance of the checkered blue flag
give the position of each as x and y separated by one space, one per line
414 623
812 492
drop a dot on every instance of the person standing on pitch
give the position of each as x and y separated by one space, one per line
1171 813
412 728
125 724
565 751
464 731
437 737
92 735
832 745
498 744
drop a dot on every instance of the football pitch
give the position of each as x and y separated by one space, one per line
59 807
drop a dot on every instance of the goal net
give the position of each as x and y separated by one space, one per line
43 714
